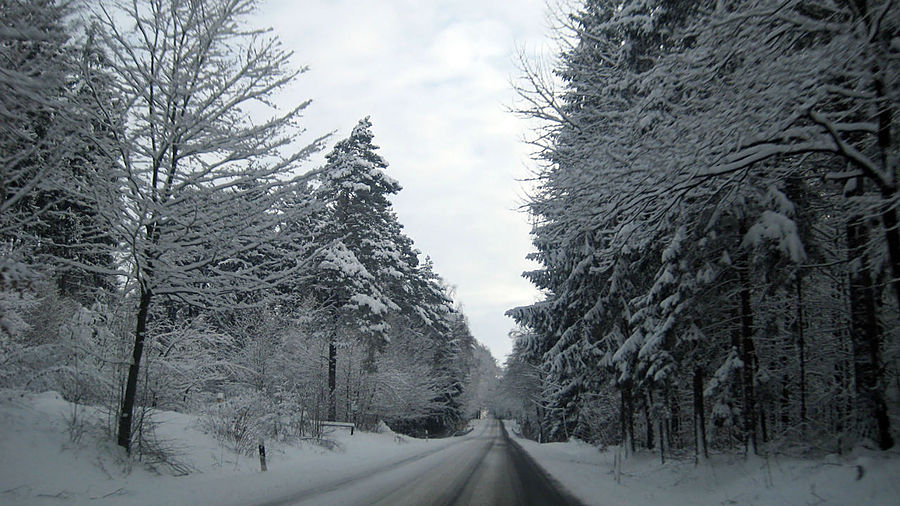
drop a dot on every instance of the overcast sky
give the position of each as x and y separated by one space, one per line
435 78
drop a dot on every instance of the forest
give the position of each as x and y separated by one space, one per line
715 228
713 211
166 244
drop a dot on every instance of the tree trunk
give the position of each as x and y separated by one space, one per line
663 425
648 400
783 417
127 413
674 425
871 409
332 381
892 236
623 415
885 124
842 374
801 344
700 451
540 422
627 417
348 405
748 355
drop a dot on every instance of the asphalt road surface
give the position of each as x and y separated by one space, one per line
484 467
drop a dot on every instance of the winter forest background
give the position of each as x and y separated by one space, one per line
714 220
164 242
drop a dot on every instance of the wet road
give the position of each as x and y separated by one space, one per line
484 467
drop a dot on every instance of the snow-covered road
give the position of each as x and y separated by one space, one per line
40 464
483 467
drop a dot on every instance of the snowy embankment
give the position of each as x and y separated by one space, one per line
40 463
866 477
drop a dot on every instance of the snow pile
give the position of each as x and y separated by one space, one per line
865 477
383 428
41 464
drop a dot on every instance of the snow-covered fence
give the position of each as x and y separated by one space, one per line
345 425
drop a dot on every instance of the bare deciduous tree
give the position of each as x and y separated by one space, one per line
203 169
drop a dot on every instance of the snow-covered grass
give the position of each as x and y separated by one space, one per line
865 477
40 463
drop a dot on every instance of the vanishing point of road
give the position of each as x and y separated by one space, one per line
484 467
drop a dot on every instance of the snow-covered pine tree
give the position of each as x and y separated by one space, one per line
360 234
820 103
700 117
518 393
52 152
371 278
428 310
55 315
34 119
452 360
590 203
356 227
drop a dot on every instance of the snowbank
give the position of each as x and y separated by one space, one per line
40 463
867 477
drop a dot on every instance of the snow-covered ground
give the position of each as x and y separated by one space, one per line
39 463
864 478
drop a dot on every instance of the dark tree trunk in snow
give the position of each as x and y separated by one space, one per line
627 417
127 412
892 236
540 422
648 401
700 451
871 409
348 404
663 426
801 345
885 123
674 425
332 381
748 355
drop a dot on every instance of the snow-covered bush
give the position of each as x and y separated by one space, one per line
240 424
184 363
271 374
59 345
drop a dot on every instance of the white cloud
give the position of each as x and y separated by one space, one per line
434 76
